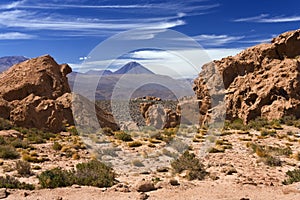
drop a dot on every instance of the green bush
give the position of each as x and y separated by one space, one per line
56 178
120 135
23 168
237 124
35 136
188 161
12 183
92 173
293 176
8 152
5 124
272 161
56 146
95 173
258 123
18 143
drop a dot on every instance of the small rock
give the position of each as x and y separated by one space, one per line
144 196
25 194
145 186
76 186
3 193
174 182
162 169
244 199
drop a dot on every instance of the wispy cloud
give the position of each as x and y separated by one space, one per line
97 18
12 5
266 18
15 36
216 40
33 20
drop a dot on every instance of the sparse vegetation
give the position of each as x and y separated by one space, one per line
23 168
188 161
268 153
8 152
57 146
293 176
92 173
237 124
13 183
5 124
121 135
135 144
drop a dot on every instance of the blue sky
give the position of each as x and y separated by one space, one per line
69 29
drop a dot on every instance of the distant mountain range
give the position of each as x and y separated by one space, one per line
161 86
8 61
133 68
129 68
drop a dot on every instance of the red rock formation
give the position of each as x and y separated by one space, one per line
261 81
36 93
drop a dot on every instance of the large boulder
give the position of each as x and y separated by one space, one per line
261 81
36 93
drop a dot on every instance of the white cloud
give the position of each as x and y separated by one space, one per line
32 20
216 40
15 36
264 18
12 5
171 63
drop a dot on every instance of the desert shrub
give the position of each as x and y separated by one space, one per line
135 144
216 149
95 173
23 168
266 132
18 143
236 124
258 123
5 124
2 140
188 161
33 158
107 131
56 146
293 176
56 178
170 131
288 120
272 161
8 152
72 130
92 173
12 183
35 136
120 135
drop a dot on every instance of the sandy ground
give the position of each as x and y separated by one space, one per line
203 190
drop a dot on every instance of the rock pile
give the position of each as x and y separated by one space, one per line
261 81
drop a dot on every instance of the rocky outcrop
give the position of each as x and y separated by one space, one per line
156 115
261 81
36 93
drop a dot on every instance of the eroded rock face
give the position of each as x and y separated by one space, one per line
36 93
261 81
157 116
